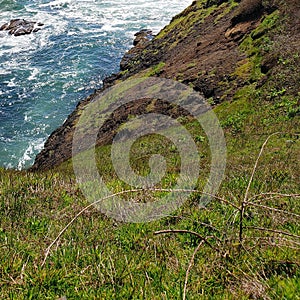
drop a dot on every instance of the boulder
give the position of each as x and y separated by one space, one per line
142 39
19 27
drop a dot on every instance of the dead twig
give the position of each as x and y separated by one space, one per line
274 241
189 269
274 231
47 251
274 195
273 209
243 203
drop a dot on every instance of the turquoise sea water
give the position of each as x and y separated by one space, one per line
44 75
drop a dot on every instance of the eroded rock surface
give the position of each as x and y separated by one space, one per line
202 48
19 27
141 41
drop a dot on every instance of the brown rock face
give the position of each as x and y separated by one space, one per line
141 41
200 48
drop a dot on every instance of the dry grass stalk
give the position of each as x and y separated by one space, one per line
47 251
189 269
243 203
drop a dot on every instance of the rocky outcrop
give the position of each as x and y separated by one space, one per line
141 41
201 48
58 147
143 37
19 27
252 10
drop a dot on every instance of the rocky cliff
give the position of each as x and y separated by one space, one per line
217 47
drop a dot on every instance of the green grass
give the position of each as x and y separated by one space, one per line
100 258
183 23
155 70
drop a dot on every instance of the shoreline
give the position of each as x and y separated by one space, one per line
93 34
213 63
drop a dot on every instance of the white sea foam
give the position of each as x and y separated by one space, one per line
56 3
43 73
33 147
34 73
109 15
27 117
11 83
4 72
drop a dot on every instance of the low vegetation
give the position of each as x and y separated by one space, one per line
243 245
202 253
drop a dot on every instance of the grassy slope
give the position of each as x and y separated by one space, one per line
98 258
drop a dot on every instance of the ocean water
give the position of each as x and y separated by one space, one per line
45 74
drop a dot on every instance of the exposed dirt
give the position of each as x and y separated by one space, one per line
201 52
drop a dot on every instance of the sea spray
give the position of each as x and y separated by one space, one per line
43 75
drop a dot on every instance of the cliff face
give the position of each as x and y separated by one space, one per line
217 47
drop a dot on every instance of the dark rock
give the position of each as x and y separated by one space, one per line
3 27
142 37
206 86
199 54
19 27
248 10
142 40
109 81
268 63
210 3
